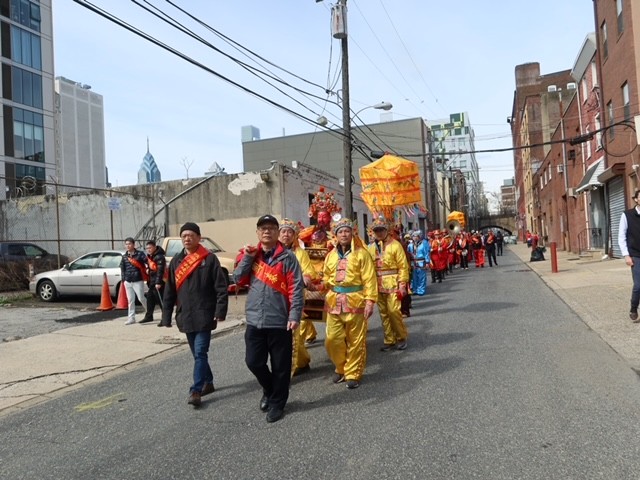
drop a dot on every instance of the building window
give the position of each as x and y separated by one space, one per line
25 47
610 114
585 90
26 134
588 145
21 86
463 163
599 134
619 15
603 37
24 12
626 101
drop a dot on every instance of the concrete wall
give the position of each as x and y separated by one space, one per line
226 208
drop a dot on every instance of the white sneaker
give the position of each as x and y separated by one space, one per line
131 321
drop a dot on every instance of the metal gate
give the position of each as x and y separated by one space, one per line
616 209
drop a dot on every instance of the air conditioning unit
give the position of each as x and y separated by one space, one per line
552 88
571 192
560 168
571 86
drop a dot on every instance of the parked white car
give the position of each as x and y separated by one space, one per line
83 276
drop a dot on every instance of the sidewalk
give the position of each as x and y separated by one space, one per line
599 293
35 369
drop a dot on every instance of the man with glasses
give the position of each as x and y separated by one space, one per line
273 310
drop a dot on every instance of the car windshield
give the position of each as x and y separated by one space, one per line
174 246
85 262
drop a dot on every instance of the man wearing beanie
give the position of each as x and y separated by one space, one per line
273 311
197 287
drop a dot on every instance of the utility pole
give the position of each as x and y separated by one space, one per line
339 21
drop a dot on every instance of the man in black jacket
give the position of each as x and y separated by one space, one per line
197 287
133 272
157 269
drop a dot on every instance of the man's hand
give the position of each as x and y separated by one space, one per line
250 250
218 319
158 286
291 325
628 260
368 309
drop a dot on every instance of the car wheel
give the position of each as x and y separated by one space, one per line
47 291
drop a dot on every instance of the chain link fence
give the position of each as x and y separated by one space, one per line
68 221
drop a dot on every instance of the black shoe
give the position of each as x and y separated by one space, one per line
194 399
311 341
161 325
264 403
301 370
274 414
207 389
387 347
338 378
352 384
633 315
402 345
146 320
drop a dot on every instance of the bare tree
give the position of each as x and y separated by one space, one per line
186 163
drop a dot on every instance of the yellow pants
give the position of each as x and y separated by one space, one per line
346 344
308 330
300 355
392 323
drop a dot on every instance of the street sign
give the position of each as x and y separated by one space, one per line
115 204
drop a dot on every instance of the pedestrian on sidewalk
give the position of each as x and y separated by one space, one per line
157 269
499 242
133 272
197 287
629 242
273 311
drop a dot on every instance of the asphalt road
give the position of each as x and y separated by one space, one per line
501 381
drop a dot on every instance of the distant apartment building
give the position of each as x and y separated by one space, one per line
508 197
534 117
27 150
80 140
453 142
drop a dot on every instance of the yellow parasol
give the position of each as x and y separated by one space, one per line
391 182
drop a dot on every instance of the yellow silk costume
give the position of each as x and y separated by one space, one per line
301 357
349 281
392 269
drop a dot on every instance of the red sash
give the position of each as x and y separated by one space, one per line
271 276
139 266
189 265
153 266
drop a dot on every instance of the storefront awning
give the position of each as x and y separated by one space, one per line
590 178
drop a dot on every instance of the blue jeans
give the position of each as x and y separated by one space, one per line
199 344
635 273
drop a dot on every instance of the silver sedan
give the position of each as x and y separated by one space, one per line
83 276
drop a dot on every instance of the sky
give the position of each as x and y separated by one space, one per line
428 58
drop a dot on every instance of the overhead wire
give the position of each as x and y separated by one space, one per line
116 20
411 57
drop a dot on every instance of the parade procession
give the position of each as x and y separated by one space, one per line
342 278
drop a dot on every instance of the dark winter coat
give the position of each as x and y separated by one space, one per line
201 298
156 278
130 273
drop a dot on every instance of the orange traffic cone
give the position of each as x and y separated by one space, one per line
123 301
105 299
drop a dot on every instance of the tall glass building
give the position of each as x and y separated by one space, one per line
149 171
27 145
